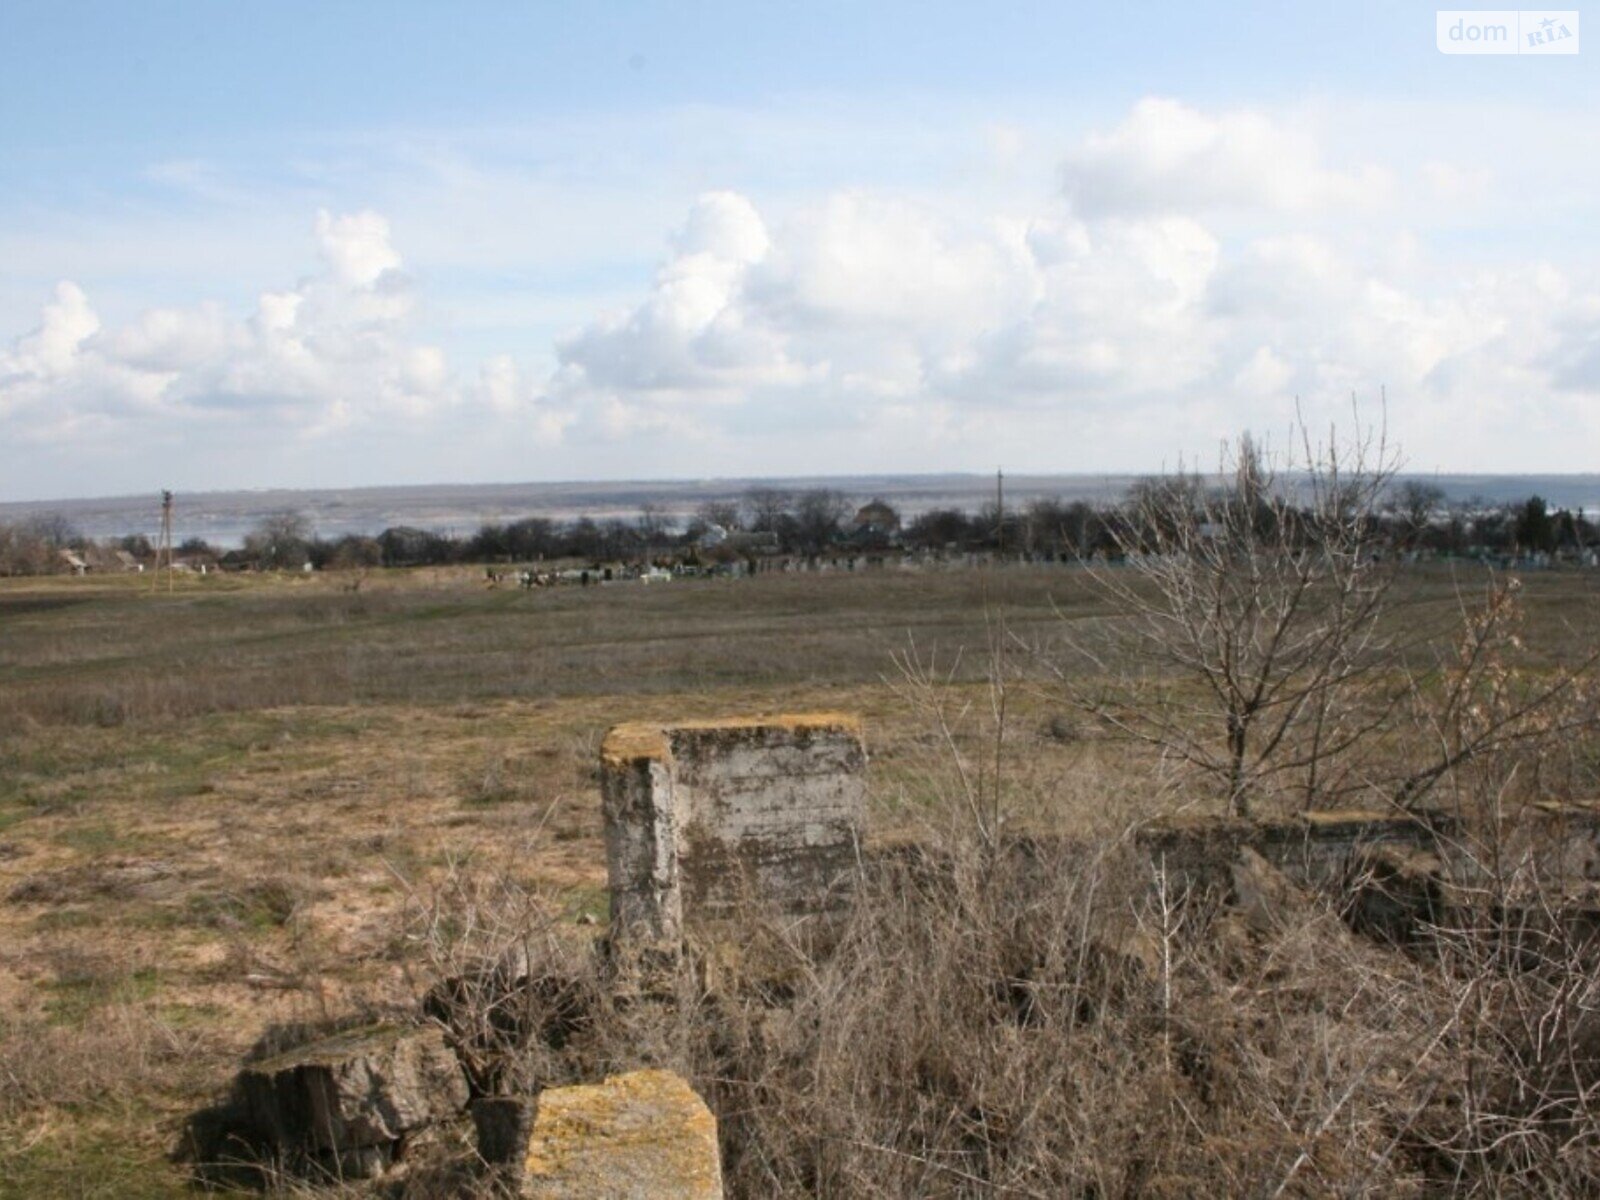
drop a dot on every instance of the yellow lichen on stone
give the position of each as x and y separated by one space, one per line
637 740
794 722
1326 818
633 741
644 1134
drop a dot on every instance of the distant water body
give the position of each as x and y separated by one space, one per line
224 518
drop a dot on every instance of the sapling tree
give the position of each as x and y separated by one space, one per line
1248 613
1254 637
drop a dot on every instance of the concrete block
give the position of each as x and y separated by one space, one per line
641 1136
347 1101
703 815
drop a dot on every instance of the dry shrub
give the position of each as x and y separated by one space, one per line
1024 1018
1261 638
510 987
1517 954
1526 1118
1065 1023
262 902
1032 1021
1073 1023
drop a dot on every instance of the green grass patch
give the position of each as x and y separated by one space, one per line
580 902
70 1001
85 1164
259 905
97 838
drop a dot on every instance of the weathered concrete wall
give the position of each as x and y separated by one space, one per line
1394 874
1314 849
703 815
1561 842
642 823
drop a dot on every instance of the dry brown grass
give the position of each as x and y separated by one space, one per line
1013 1024
214 808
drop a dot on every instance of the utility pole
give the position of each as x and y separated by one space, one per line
164 542
1000 512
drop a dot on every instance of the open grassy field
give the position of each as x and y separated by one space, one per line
214 803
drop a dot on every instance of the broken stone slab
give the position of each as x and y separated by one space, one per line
347 1102
704 816
641 1136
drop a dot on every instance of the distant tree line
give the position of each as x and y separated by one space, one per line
33 546
1414 517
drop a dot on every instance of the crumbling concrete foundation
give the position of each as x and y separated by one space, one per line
704 815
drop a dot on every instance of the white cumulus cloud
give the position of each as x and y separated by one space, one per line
1168 157
1191 275
1125 314
336 350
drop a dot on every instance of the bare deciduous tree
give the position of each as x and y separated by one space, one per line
654 524
1252 609
724 513
1476 702
767 508
1416 501
1251 640
817 513
280 541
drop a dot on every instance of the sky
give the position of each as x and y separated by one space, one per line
336 244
